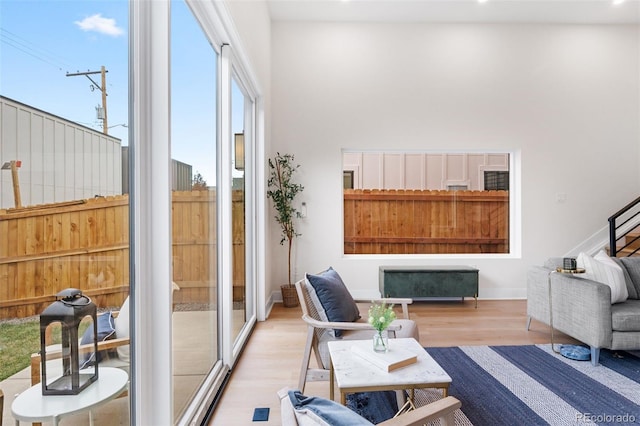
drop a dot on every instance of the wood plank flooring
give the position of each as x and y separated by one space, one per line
271 359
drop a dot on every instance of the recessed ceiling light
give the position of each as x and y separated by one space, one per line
617 2
482 1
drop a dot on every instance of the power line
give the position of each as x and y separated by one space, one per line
31 49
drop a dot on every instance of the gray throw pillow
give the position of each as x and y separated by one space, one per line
337 302
632 266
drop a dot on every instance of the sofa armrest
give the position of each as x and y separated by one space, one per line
287 414
441 409
582 309
538 293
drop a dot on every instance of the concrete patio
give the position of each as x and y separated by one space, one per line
193 351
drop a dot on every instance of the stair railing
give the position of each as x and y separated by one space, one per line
625 215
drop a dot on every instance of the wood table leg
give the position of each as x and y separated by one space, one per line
331 378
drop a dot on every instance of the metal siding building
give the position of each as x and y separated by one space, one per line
181 174
61 160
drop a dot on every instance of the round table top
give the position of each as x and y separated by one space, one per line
32 406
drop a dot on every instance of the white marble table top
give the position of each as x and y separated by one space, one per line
353 371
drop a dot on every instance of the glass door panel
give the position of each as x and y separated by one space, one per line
194 208
64 203
238 208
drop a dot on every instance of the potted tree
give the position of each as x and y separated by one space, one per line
283 190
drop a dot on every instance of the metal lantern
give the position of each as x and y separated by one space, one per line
69 309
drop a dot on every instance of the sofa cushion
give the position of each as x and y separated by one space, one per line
336 300
631 289
603 269
632 266
626 316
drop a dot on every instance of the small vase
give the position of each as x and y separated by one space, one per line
381 341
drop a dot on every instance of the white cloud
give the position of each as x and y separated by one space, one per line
101 25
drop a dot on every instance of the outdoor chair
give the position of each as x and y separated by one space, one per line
319 411
320 330
115 351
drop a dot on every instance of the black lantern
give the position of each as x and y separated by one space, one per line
69 309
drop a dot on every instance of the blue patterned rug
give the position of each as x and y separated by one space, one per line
528 385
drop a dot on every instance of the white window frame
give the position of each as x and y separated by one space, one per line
515 206
151 396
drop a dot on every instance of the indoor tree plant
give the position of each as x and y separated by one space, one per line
282 189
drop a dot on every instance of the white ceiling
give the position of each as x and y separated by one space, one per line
458 11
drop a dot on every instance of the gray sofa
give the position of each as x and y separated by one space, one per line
582 308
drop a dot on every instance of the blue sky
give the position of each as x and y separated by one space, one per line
42 41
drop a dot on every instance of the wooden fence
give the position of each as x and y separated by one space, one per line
195 246
44 249
85 244
420 222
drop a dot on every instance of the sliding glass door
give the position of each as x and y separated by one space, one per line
194 207
212 241
243 284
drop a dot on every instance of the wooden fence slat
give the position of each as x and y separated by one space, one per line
412 222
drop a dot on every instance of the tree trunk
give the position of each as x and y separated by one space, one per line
289 270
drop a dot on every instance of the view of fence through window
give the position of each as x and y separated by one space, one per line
425 203
64 203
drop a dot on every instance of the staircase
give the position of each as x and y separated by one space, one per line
629 244
624 231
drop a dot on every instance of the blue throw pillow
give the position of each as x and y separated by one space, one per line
330 412
106 331
336 300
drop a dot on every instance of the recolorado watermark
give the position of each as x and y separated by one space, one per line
605 418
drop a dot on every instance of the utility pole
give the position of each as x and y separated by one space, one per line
102 88
13 166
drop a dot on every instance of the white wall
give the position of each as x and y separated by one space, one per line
563 98
253 25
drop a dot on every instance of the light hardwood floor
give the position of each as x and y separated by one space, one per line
271 359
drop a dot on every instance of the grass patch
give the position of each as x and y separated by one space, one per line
17 342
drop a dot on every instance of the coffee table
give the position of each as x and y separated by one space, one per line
352 373
32 406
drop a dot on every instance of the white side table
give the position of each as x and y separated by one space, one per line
32 406
559 271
